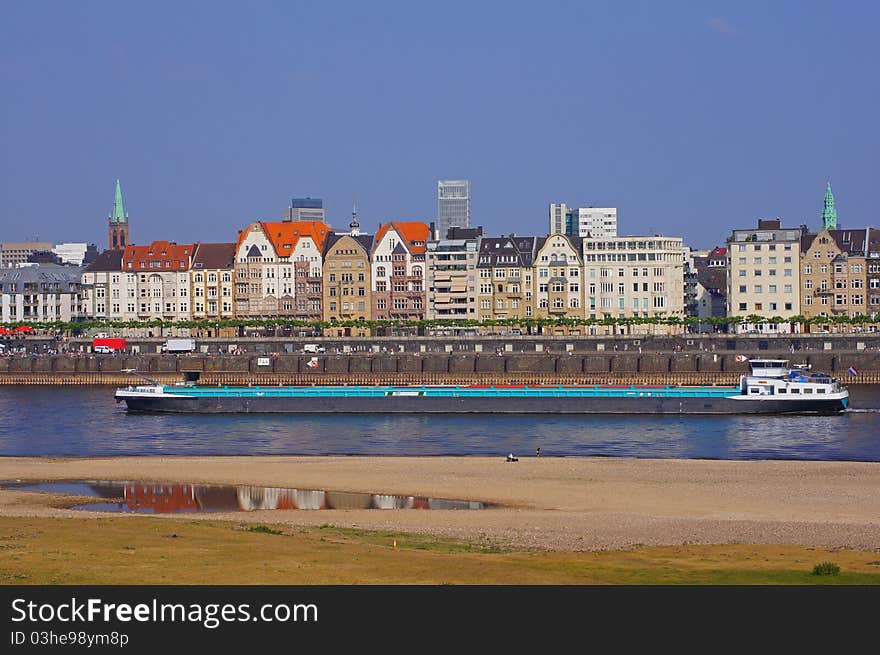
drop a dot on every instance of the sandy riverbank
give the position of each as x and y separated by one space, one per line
549 503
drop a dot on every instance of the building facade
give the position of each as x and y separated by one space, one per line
348 278
840 274
212 281
13 253
158 277
505 273
305 209
40 293
451 275
398 271
104 297
278 270
763 276
453 205
634 277
584 222
558 278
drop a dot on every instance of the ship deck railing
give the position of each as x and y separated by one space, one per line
595 391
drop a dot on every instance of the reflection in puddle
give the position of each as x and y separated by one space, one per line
172 498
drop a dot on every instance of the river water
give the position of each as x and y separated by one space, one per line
86 421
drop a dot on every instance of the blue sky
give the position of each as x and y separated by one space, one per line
691 117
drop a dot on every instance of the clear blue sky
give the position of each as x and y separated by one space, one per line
691 117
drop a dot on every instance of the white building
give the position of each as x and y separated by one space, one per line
634 276
40 293
71 253
584 222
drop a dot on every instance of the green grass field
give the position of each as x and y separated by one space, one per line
145 550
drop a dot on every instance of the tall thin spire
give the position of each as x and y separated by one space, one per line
829 213
355 227
118 215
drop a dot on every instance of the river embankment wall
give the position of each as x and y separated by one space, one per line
505 362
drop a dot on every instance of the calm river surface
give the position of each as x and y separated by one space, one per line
86 421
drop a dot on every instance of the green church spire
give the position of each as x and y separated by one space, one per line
118 215
829 213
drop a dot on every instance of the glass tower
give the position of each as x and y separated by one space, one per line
453 205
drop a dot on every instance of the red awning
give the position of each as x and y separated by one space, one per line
22 329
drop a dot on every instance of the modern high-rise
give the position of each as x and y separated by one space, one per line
583 222
305 209
453 205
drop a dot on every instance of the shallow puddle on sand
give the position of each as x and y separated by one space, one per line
177 498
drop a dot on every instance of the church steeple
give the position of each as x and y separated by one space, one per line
829 213
354 227
117 222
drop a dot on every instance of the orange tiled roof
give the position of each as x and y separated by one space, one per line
159 255
284 234
413 231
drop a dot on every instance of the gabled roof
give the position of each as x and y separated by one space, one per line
214 255
365 241
718 252
254 251
109 260
159 255
415 233
284 235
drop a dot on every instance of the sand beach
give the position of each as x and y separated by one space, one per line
546 503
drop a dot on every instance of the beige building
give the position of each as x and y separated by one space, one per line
557 278
840 274
212 281
763 278
347 279
633 277
505 277
13 253
154 281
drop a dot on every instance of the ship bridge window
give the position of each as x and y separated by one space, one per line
808 390
795 390
820 390
754 391
782 390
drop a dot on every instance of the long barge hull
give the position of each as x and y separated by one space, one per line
181 404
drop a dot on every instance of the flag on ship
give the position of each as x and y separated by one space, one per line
312 363
853 371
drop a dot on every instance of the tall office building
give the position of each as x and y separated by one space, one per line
584 222
305 209
453 205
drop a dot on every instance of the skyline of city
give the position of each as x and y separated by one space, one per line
689 120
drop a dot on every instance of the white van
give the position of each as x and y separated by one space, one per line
103 349
313 348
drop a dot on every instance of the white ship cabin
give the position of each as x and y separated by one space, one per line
774 377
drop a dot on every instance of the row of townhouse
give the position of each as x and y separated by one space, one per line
781 273
304 270
557 276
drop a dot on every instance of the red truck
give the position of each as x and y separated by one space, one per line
107 344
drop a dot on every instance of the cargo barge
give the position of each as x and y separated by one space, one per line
771 388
